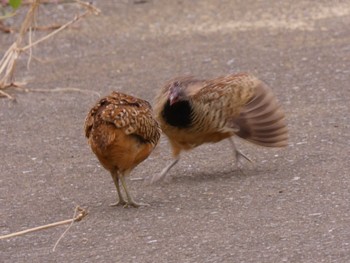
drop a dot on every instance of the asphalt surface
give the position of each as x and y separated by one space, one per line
292 205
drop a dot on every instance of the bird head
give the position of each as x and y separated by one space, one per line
176 93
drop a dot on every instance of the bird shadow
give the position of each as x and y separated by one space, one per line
177 177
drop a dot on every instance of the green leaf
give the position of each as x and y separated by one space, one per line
15 3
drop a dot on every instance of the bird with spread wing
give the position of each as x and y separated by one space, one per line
193 111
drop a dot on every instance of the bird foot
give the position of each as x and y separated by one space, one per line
134 204
119 203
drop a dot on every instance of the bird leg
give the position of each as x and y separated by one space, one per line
130 201
238 154
164 172
121 201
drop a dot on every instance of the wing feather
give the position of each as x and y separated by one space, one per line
131 114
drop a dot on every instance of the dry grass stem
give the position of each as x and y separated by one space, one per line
49 27
28 2
82 213
63 90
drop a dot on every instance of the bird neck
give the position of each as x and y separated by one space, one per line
179 114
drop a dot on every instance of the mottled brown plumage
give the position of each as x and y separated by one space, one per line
192 112
122 133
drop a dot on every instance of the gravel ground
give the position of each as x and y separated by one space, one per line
292 205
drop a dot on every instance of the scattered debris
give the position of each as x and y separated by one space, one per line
8 61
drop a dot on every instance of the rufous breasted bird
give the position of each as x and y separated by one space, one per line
122 133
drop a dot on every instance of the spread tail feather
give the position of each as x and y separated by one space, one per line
262 120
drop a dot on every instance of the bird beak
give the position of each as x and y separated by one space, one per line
173 99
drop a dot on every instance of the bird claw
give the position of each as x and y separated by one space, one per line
239 163
126 204
134 204
119 203
240 155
